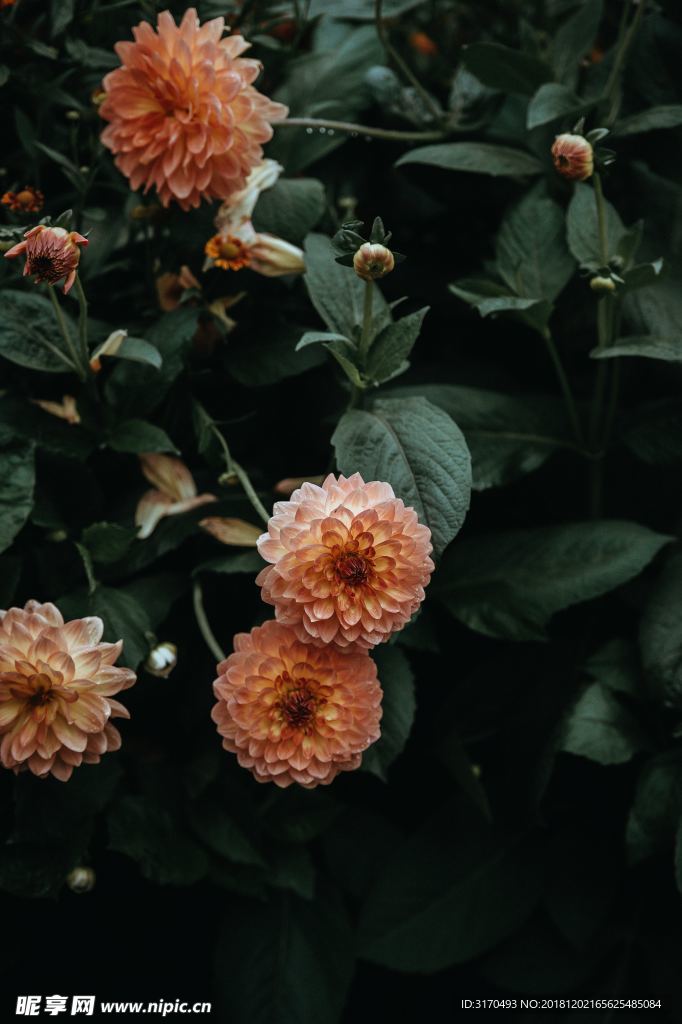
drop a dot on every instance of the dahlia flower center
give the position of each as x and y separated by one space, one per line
299 701
45 266
41 687
352 569
562 160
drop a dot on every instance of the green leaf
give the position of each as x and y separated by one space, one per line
30 336
583 227
123 617
417 448
108 542
221 833
90 56
291 208
398 706
574 39
137 437
507 435
240 561
531 250
654 432
509 585
644 345
668 116
491 298
616 667
476 158
271 357
453 890
147 833
288 961
137 350
292 868
61 15
657 806
393 345
345 357
337 293
660 634
17 482
600 728
550 102
500 67
318 338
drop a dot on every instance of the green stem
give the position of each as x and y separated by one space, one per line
402 65
83 322
601 219
203 624
625 40
234 467
74 362
565 387
360 129
366 336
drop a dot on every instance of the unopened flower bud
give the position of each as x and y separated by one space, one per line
72 115
81 880
372 261
602 284
161 660
573 157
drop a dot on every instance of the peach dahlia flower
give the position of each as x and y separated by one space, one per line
51 254
183 114
56 685
349 562
292 712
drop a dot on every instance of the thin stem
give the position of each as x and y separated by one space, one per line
83 321
565 387
601 219
402 65
202 622
74 362
241 474
366 336
360 129
625 42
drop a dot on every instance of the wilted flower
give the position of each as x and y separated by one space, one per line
28 200
237 244
65 410
174 492
162 659
51 254
573 156
235 532
372 261
110 347
291 483
184 115
350 562
292 712
81 880
56 685
170 287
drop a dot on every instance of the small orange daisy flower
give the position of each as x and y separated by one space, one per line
28 200
228 252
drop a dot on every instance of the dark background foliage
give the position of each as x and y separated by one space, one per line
517 830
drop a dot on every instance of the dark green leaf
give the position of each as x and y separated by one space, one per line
657 806
108 542
500 67
510 584
137 437
602 729
416 448
398 707
221 833
574 40
61 15
550 102
393 345
17 481
149 835
476 158
123 618
660 634
583 227
291 208
644 345
669 116
531 250
30 336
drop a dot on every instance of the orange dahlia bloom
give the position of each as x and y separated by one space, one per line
292 712
573 157
56 685
51 254
183 114
349 562
27 200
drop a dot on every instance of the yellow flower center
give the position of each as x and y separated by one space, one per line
228 252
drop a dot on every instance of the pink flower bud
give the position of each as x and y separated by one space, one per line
573 157
372 261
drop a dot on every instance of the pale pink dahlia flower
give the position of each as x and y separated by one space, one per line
292 712
349 562
52 254
183 114
56 685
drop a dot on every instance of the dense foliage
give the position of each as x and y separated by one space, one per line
517 830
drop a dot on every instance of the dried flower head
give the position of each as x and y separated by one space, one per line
349 562
56 687
183 114
27 200
51 254
174 492
372 261
292 712
573 156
